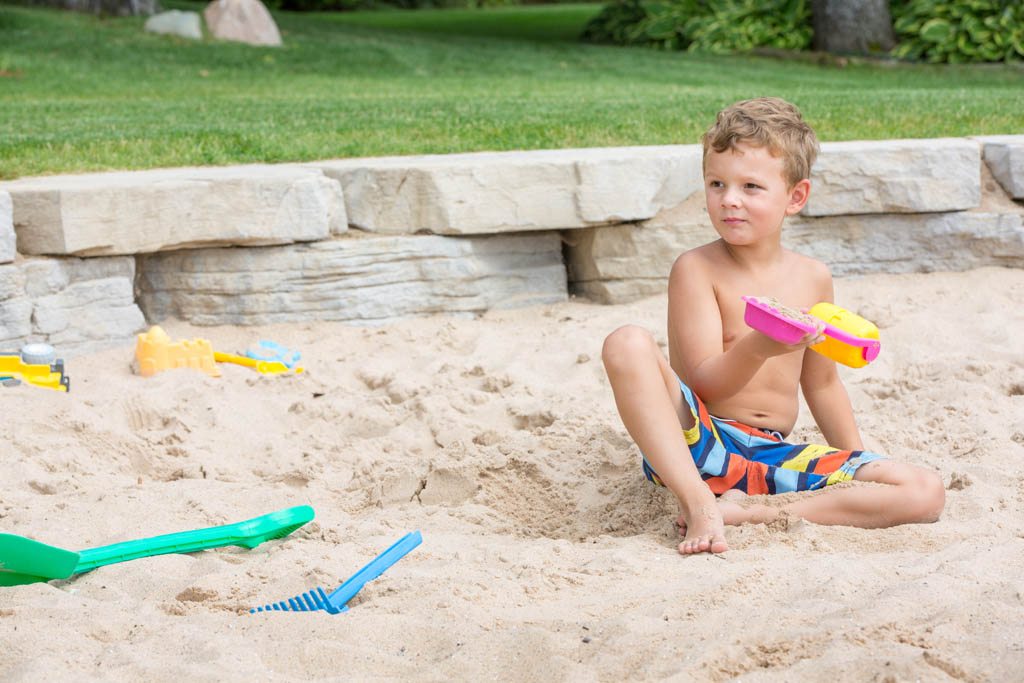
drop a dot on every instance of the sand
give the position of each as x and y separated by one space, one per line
546 555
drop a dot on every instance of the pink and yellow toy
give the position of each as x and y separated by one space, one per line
850 339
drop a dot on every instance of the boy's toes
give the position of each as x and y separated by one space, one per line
718 544
703 544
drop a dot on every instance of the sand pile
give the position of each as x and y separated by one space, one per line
546 555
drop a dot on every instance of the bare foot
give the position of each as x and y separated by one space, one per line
705 531
735 514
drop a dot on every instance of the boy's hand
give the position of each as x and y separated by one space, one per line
768 347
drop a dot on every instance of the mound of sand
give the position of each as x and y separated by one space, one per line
546 555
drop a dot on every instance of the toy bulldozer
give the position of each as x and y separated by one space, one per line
36 364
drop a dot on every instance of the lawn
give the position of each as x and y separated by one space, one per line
79 93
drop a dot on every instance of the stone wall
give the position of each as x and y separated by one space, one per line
89 260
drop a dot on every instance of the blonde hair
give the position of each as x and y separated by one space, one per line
767 122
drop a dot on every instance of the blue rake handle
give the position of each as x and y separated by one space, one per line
336 603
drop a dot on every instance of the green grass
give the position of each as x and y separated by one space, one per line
79 93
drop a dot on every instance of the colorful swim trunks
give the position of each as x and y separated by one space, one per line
731 455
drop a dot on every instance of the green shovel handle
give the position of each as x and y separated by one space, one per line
247 534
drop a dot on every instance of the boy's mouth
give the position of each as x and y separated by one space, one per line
732 221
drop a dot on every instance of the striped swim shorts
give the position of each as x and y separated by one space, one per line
732 455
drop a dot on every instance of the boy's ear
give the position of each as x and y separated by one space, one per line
798 196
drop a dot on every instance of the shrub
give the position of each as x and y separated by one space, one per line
965 31
703 25
618 23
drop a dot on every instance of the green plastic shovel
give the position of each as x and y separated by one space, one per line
23 560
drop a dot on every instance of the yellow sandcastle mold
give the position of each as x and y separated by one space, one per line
155 352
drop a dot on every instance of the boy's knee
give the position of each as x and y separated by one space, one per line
625 343
928 497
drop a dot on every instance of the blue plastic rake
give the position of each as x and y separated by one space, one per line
337 602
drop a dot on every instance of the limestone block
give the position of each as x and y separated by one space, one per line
617 264
355 279
8 241
895 176
77 305
15 308
620 263
493 192
246 21
175 22
143 211
1004 155
854 245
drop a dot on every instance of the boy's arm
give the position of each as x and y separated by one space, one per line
696 348
829 403
826 396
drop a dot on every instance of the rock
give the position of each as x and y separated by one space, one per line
354 279
8 240
895 176
176 22
493 192
143 211
245 21
618 264
76 305
1004 155
856 245
621 263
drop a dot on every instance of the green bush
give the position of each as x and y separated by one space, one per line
618 23
954 32
705 26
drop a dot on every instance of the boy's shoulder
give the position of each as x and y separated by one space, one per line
713 259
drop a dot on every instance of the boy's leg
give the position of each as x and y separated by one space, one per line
910 495
654 412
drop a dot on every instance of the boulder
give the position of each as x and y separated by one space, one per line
177 23
8 239
77 305
895 176
142 211
1004 155
495 192
353 279
245 21
617 264
856 245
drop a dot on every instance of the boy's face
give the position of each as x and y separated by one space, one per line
747 194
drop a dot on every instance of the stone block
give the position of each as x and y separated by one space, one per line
617 264
856 245
143 211
494 192
355 279
895 176
177 23
1004 155
8 239
77 305
620 263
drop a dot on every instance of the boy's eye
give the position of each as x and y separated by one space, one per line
753 186
716 183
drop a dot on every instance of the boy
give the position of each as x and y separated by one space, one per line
757 161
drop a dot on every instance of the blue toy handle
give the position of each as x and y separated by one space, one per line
346 591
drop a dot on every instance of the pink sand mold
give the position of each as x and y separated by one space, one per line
768 320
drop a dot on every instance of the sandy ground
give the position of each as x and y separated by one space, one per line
546 555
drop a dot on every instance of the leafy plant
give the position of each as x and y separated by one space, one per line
964 31
742 25
619 23
705 26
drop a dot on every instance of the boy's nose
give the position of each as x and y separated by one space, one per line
730 198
